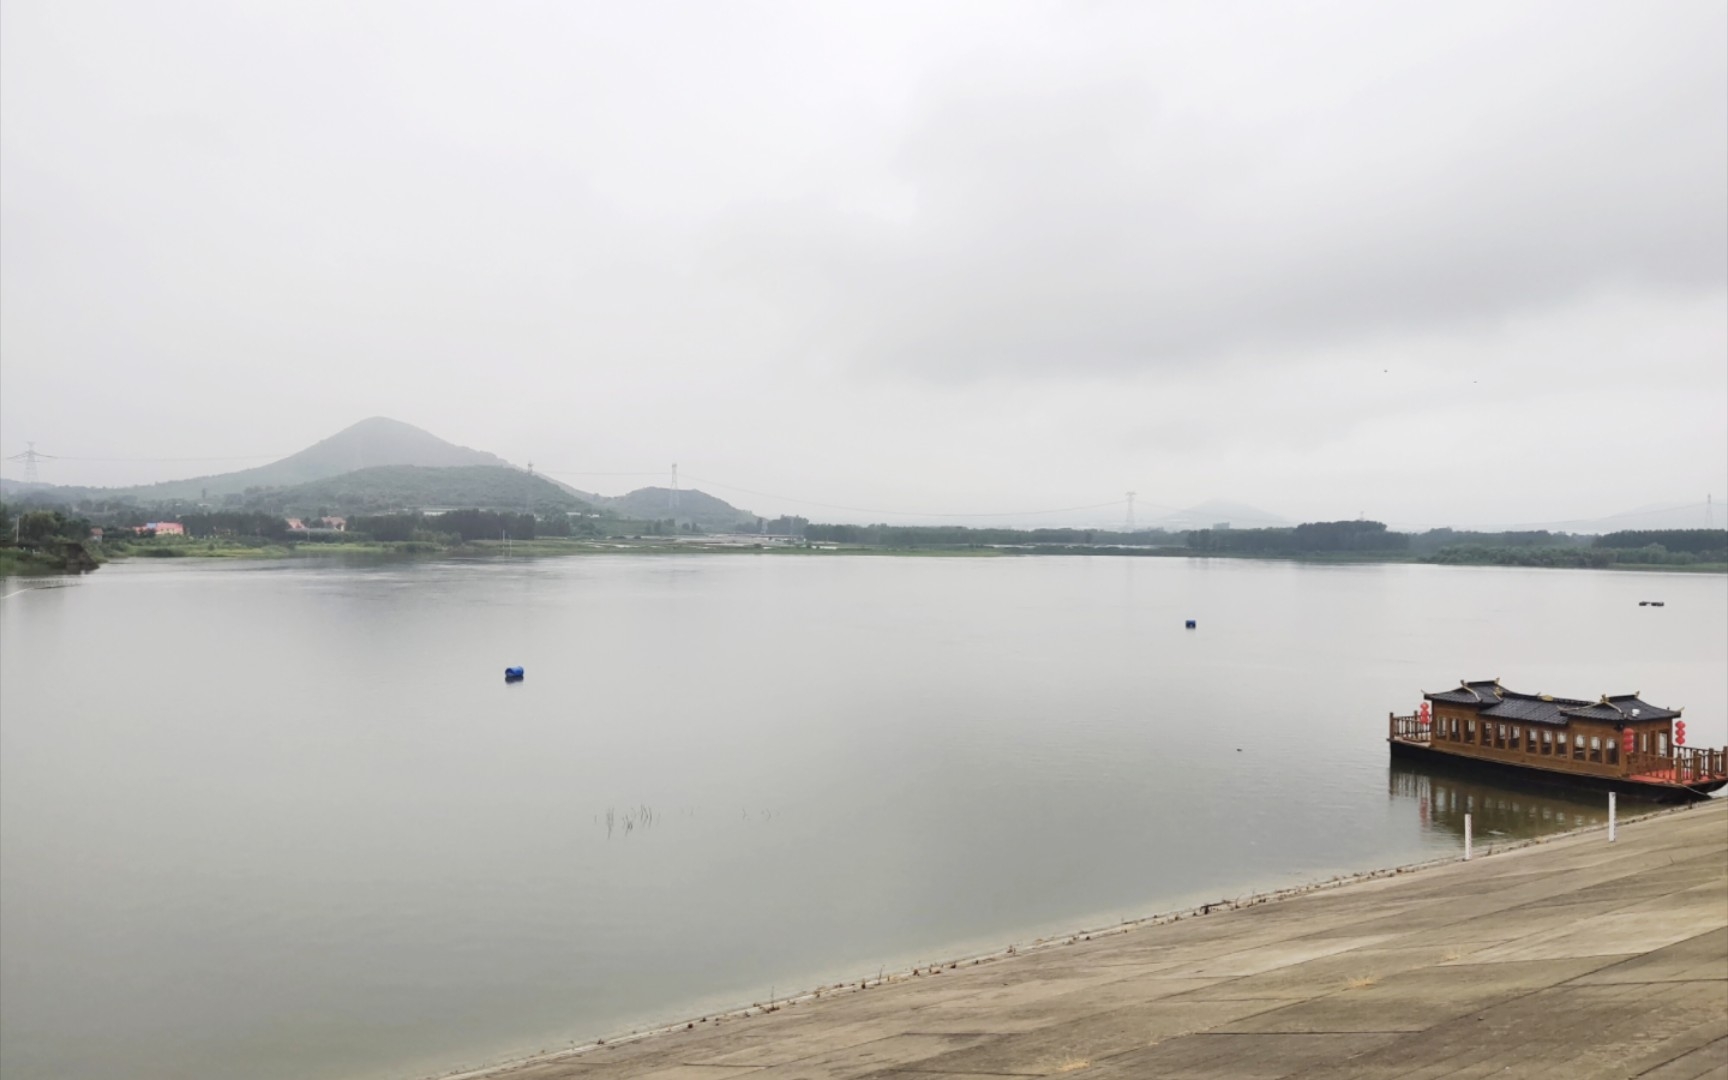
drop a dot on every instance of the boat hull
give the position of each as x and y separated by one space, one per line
1482 766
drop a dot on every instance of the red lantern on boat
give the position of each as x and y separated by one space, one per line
1422 714
1628 741
1679 733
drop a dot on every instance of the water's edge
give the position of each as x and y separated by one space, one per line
1038 945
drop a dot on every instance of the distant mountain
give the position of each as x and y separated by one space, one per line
18 490
1655 516
1218 512
386 488
368 444
381 465
655 504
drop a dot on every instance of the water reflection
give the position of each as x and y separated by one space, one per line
1499 806
333 844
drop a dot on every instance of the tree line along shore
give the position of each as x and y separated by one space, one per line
52 540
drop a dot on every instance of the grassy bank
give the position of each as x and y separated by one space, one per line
13 561
173 547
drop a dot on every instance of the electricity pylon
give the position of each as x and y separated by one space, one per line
30 457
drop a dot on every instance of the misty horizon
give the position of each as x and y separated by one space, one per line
1425 266
1138 513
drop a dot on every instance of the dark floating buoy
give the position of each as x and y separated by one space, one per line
1652 603
512 674
1191 624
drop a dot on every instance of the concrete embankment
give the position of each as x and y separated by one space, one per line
1575 958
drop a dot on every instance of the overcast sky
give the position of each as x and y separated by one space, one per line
1434 263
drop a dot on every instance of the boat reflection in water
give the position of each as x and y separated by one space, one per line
1500 807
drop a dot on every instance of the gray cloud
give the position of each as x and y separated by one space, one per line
1106 210
952 258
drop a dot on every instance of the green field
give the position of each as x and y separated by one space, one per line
15 561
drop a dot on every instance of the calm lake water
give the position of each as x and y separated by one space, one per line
286 820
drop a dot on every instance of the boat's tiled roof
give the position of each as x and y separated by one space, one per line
1470 693
1532 708
1496 701
1622 707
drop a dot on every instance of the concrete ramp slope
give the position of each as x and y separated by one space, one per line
1574 957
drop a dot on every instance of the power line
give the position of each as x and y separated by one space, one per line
1514 525
30 467
30 457
903 513
836 506
580 472
228 457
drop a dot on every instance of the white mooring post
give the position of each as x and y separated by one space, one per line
1466 837
1611 817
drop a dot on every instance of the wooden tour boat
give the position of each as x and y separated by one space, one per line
1618 742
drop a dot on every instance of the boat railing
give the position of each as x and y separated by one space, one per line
1685 765
1408 728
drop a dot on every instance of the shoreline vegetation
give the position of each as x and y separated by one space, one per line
50 541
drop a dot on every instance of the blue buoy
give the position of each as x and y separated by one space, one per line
512 674
1191 624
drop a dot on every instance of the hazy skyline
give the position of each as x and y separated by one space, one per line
1429 264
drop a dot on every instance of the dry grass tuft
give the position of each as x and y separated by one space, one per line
1362 983
1074 1066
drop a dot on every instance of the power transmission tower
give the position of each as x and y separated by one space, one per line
1130 526
30 457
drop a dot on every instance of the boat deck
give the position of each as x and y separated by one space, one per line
1684 772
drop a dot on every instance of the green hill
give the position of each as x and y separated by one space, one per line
368 444
655 504
413 487
381 465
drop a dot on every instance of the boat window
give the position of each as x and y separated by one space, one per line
1547 742
1578 748
1517 737
1500 736
1531 747
1643 742
1595 748
1613 749
1454 729
1470 730
1662 743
